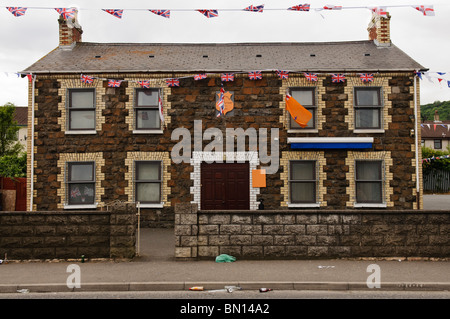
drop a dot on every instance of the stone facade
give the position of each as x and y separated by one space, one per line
310 234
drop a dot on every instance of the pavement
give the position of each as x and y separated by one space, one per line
155 269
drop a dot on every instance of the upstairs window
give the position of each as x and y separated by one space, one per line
306 97
146 109
368 108
81 109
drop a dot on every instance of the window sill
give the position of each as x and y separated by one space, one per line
368 205
303 131
88 206
368 131
306 205
148 132
86 132
160 205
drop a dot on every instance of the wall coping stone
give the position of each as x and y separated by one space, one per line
358 211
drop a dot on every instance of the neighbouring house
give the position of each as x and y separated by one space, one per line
21 116
98 136
436 134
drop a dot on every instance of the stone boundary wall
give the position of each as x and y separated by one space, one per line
312 234
69 234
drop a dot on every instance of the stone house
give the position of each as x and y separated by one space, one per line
94 144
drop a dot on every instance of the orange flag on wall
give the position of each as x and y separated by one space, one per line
300 115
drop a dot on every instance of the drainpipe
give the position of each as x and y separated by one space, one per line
32 143
416 135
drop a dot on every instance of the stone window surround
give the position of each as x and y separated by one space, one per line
223 157
65 158
164 158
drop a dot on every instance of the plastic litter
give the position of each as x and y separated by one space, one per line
1 261
229 289
196 288
23 291
265 289
325 267
224 258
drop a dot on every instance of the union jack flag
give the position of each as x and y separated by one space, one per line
87 79
301 7
172 82
17 11
311 76
200 76
332 7
162 13
221 103
114 83
115 12
227 77
426 10
67 13
209 13
337 78
144 84
253 8
255 75
75 193
283 75
366 77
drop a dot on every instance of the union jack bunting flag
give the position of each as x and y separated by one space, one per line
332 7
311 76
172 82
419 74
87 79
209 13
283 75
227 77
253 8
144 84
221 103
426 10
200 76
17 11
115 12
255 75
114 83
162 13
301 7
66 13
337 78
366 78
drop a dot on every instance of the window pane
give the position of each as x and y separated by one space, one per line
148 119
147 171
310 124
80 194
81 172
367 97
367 118
82 120
304 97
368 170
82 99
302 171
147 98
148 192
368 192
303 192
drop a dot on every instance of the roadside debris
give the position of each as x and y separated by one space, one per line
325 267
23 291
197 288
229 289
224 258
265 289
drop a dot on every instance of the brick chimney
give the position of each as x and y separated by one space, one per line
70 31
379 29
436 116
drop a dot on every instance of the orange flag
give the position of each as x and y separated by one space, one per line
300 115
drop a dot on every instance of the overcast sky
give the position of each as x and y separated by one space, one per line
26 39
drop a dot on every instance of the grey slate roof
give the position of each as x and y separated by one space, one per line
356 56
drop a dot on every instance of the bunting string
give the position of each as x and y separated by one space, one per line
69 13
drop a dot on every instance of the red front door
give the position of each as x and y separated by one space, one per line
225 186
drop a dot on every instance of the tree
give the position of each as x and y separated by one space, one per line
9 144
